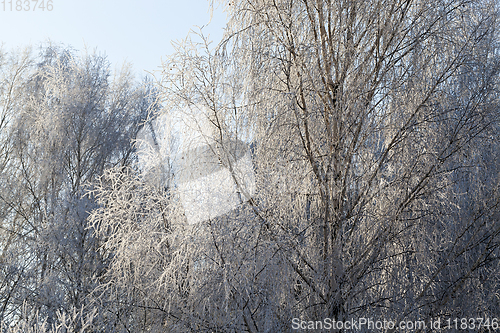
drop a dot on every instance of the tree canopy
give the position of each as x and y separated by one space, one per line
372 130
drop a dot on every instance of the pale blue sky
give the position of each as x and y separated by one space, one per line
139 32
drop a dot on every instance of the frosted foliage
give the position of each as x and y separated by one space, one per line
328 159
68 119
371 128
73 322
211 178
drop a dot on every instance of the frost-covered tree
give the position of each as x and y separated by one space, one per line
15 69
70 119
374 134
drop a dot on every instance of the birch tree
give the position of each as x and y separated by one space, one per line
374 127
15 68
70 120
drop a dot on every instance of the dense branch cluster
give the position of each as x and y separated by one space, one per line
374 134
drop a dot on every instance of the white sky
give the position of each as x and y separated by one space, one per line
138 31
